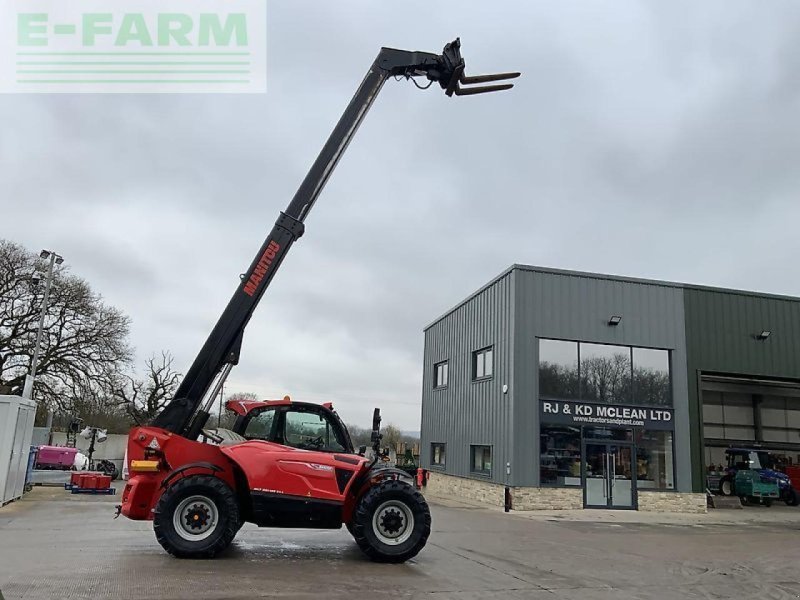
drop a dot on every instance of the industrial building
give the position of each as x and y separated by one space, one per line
560 389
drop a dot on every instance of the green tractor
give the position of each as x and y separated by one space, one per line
754 487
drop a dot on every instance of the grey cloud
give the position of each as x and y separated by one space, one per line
647 139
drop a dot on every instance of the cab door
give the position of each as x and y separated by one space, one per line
310 428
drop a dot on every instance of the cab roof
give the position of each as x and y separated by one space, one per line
244 407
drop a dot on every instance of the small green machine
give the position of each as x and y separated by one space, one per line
752 486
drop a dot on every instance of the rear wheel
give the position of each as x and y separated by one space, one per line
392 522
197 517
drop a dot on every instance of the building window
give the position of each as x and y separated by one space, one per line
440 375
482 363
558 369
651 384
604 373
560 456
437 454
654 466
481 460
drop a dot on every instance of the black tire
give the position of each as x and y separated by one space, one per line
349 528
791 498
200 498
767 502
726 486
381 525
106 467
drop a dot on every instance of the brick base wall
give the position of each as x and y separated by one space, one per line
530 498
679 502
464 489
487 493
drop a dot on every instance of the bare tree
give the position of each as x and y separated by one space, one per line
392 436
606 379
95 404
144 398
360 436
83 339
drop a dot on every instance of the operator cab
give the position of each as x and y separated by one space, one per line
747 458
295 424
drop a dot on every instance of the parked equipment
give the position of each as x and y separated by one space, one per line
300 471
89 482
760 461
753 487
59 458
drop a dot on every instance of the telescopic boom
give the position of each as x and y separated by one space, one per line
188 411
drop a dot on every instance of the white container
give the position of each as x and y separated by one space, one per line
16 429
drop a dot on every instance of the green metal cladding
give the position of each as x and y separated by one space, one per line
720 338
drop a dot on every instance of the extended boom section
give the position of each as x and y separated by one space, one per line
188 412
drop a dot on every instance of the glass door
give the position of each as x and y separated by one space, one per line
608 476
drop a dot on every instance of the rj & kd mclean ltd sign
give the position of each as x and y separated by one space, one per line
585 413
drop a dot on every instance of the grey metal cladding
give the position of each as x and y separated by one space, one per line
720 329
467 412
577 306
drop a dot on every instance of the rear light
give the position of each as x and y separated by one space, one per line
144 466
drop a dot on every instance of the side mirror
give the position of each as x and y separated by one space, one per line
376 431
376 420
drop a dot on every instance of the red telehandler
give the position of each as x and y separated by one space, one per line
285 464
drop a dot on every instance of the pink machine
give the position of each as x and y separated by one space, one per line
55 457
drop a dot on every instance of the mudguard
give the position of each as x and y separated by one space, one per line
378 474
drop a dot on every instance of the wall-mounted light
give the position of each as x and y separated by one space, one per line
763 335
614 320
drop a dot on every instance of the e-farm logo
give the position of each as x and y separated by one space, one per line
148 46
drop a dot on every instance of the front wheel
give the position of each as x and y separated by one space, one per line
791 498
392 522
197 517
726 487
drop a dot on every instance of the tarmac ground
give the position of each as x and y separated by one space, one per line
56 545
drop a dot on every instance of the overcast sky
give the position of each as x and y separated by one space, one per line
651 139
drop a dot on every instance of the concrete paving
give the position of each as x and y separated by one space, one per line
53 545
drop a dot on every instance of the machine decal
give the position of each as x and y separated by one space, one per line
313 466
261 268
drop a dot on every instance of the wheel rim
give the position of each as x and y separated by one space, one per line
393 522
195 518
726 488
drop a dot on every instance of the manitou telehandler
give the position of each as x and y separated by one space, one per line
286 464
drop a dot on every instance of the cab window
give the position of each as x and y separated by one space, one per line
260 425
311 431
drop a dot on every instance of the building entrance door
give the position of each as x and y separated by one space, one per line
608 475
